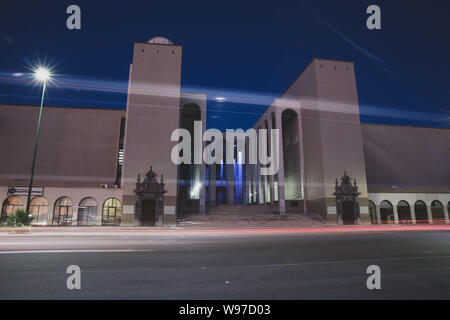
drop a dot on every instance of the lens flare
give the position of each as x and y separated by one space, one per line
42 74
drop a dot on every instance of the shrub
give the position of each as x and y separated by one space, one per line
19 219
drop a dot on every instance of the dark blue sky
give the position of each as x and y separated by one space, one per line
248 49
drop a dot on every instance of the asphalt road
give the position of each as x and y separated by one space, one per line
218 264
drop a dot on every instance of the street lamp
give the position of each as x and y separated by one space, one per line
42 75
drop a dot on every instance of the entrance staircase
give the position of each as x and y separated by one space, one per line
248 216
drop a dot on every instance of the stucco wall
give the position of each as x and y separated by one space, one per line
77 147
406 159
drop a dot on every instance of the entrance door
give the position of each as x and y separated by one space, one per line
148 213
348 215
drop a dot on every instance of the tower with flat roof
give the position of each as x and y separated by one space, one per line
152 115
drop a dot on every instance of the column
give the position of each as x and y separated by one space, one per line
267 189
413 214
430 215
272 192
279 150
202 195
245 190
377 209
212 184
262 180
244 185
271 187
260 185
270 178
74 215
447 220
255 184
230 184
395 214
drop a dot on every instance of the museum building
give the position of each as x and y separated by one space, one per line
114 167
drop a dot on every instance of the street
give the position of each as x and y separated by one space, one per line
226 264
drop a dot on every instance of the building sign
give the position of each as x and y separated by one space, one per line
23 191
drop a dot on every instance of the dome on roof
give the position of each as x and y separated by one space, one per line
159 40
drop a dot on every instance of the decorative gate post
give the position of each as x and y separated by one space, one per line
149 200
347 203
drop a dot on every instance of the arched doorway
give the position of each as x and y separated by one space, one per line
420 209
62 212
291 155
372 212
87 212
348 213
112 212
39 210
437 212
347 203
10 206
189 174
404 212
386 212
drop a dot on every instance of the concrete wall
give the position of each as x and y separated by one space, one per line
77 147
406 159
152 115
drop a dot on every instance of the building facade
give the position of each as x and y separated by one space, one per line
90 162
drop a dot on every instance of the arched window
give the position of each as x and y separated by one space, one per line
404 212
291 155
62 212
10 206
420 209
437 211
372 212
112 212
386 212
87 212
39 210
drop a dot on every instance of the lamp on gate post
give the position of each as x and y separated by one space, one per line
42 75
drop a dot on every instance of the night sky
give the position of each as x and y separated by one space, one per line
249 52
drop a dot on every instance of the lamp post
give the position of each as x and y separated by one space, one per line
42 75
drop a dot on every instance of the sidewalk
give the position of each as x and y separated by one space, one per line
205 228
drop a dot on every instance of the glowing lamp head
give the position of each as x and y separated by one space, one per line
42 74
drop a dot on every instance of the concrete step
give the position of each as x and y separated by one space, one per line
253 215
239 209
249 220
